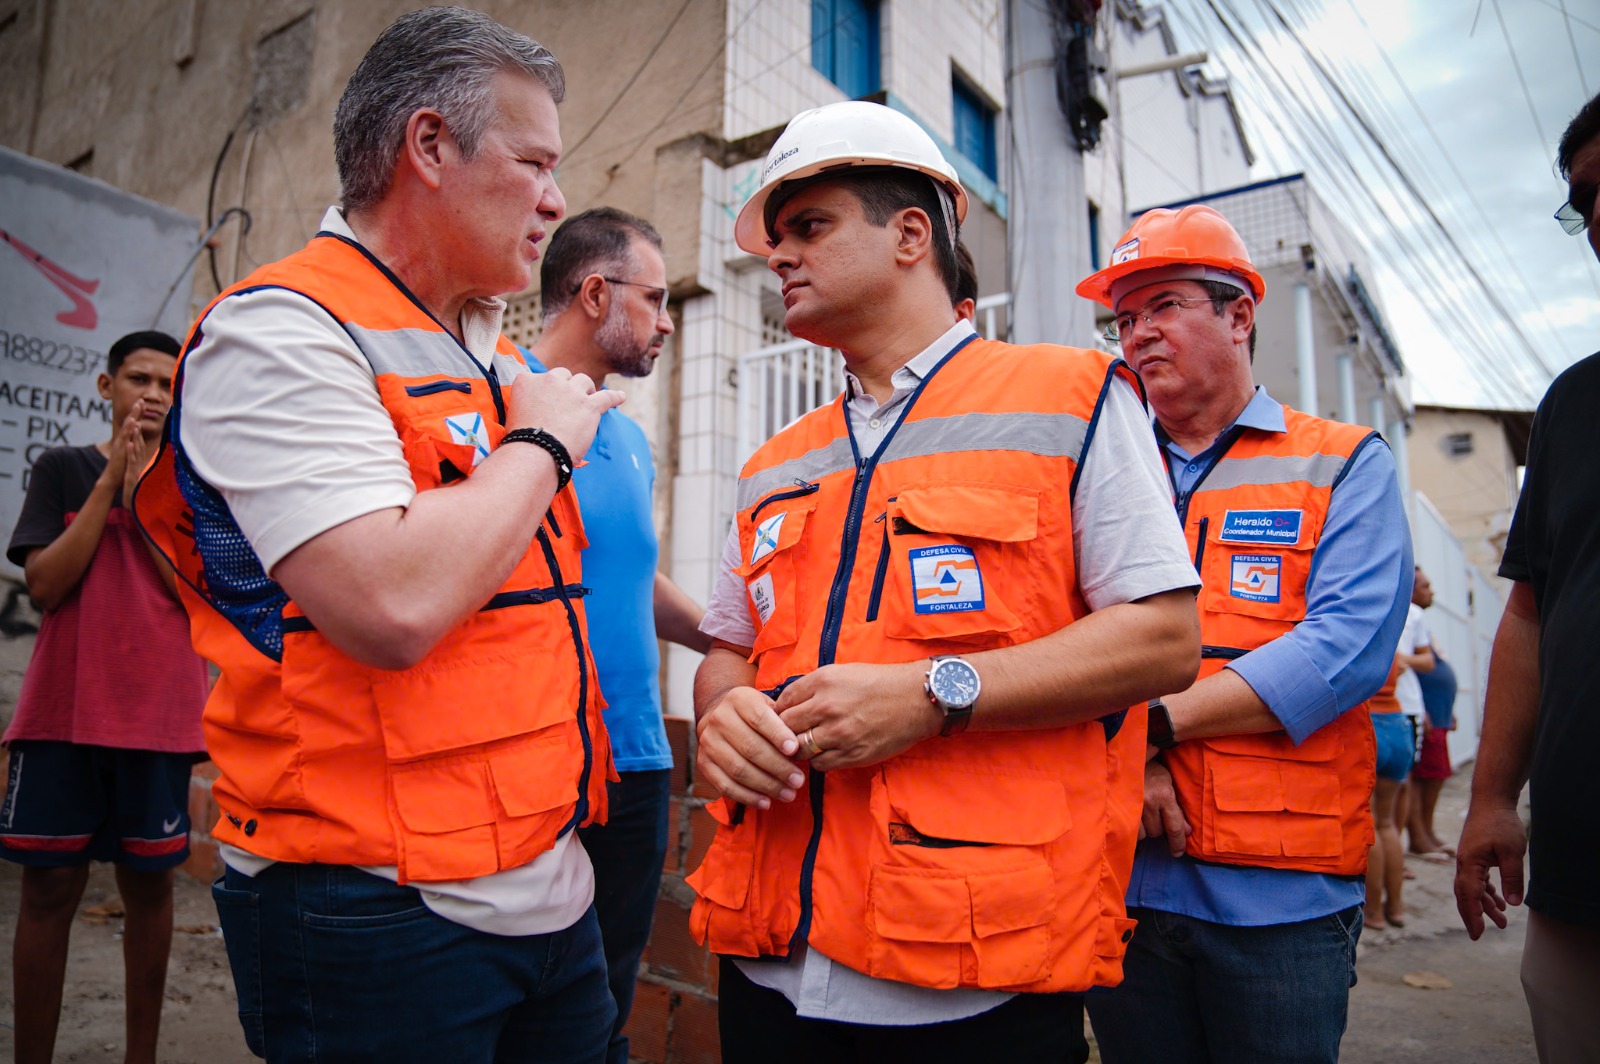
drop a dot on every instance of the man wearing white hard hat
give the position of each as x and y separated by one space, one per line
940 598
1248 890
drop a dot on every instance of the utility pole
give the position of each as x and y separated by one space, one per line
1047 224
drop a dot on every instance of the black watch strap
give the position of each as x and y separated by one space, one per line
556 449
1160 728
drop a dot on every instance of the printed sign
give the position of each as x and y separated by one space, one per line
1278 527
1256 577
946 579
81 265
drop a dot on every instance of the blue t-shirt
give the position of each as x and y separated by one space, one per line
614 489
1439 692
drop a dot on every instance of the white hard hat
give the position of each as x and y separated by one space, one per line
839 136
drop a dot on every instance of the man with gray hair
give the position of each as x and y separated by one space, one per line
406 723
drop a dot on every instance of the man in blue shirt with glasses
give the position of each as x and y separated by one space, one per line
603 288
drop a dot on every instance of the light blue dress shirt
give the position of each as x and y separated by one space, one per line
1356 599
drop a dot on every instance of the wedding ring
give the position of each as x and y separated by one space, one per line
808 742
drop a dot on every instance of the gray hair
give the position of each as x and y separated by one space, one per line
444 58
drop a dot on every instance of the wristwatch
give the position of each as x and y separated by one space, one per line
952 685
1160 727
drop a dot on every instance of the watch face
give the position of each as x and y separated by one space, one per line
954 682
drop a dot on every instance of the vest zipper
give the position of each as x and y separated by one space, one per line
1200 543
834 618
882 569
793 493
560 588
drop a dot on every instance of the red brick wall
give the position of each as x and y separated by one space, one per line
204 863
674 1018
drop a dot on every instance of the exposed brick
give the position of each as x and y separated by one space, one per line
693 1037
672 952
702 829
678 732
206 770
647 1023
674 860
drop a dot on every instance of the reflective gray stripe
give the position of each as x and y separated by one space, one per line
813 465
507 368
1318 470
1046 435
412 352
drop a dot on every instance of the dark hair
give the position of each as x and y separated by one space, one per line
883 192
154 339
597 241
439 57
966 275
1222 293
1584 127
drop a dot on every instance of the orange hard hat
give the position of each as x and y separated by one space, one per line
1195 244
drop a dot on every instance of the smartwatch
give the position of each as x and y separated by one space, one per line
952 685
1160 734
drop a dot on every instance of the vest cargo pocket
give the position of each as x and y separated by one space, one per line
449 809
965 869
954 546
1254 580
1270 808
722 885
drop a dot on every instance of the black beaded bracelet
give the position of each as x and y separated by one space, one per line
556 449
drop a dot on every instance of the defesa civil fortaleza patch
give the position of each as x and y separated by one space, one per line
946 579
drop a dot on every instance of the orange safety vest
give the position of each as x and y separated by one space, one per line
472 761
1253 521
986 859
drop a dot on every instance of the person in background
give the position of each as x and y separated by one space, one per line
1433 763
107 727
1248 891
1540 726
603 291
1415 655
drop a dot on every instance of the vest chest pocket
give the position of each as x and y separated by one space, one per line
768 542
958 561
1266 580
445 438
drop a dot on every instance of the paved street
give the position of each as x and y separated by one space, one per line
1481 1018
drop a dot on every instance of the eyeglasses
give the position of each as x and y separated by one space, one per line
1574 219
1161 312
659 294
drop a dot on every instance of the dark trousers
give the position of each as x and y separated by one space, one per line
759 1026
627 853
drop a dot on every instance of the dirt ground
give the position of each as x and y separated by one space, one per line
1480 1018
198 1023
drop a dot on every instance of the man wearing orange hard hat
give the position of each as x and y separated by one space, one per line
1248 887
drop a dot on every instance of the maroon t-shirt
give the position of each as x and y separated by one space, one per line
113 665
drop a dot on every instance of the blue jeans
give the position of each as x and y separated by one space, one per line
627 852
1195 992
334 964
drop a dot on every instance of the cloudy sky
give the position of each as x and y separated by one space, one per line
1469 97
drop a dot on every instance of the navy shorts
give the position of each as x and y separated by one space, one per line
68 804
1395 745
